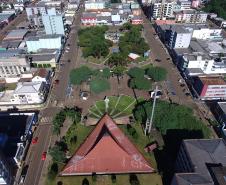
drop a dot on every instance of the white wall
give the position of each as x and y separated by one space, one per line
94 5
206 33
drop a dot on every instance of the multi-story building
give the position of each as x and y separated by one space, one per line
179 37
210 88
13 63
29 93
89 19
53 24
184 4
94 6
6 168
190 16
44 42
200 161
162 9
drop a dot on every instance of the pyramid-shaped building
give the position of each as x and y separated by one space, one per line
106 151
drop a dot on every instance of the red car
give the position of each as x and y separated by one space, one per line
56 81
44 156
34 140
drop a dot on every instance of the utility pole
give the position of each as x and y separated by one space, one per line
149 122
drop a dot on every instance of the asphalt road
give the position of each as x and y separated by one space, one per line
58 93
175 91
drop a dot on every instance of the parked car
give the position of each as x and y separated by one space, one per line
34 140
56 81
157 60
44 156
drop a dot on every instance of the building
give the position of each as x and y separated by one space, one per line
6 168
219 111
44 42
104 140
179 37
42 75
137 20
174 36
29 93
13 63
200 161
161 10
94 6
18 34
89 19
53 24
210 88
190 16
195 3
184 4
204 33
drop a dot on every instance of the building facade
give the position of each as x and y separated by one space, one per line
210 88
190 16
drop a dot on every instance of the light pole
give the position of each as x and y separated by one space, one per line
149 122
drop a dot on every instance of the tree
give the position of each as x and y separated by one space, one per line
113 178
57 154
170 116
133 179
53 171
106 73
117 59
99 85
79 75
85 181
140 83
136 72
157 73
119 70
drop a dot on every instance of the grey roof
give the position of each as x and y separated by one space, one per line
33 38
11 53
194 70
191 178
4 16
11 44
16 34
175 28
222 105
202 151
44 57
27 87
107 18
87 15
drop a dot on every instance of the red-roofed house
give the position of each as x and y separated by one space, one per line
106 151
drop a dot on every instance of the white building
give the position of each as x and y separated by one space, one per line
162 9
29 93
53 24
180 37
42 75
207 33
44 42
184 4
89 5
190 16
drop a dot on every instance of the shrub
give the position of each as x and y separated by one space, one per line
85 181
113 178
94 177
53 171
133 179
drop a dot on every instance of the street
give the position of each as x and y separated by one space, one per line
44 131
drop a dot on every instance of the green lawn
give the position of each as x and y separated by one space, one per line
140 142
117 106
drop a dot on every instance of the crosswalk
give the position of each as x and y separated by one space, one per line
46 120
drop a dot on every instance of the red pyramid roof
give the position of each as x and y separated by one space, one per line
105 151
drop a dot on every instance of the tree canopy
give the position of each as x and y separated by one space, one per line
79 75
93 42
136 72
117 59
157 73
170 116
216 6
99 85
132 42
57 154
140 83
106 73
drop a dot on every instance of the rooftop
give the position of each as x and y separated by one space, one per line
4 16
222 105
95 154
27 87
33 38
212 80
16 34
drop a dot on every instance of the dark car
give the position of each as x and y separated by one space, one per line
157 60
56 81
